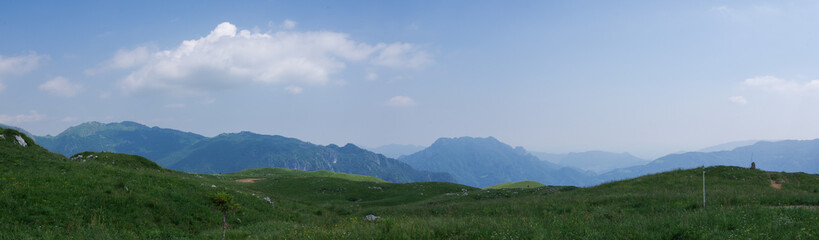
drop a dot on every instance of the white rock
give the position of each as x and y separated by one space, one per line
20 140
213 186
372 218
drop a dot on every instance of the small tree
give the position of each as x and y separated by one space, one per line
224 203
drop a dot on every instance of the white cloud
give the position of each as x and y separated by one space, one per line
372 76
19 65
400 101
124 59
229 57
33 116
774 84
738 100
288 24
401 55
294 89
61 87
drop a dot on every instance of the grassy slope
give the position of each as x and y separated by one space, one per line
280 172
741 204
521 184
45 196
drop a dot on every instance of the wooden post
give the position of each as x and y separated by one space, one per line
703 186
224 224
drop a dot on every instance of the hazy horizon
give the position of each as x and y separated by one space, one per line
732 144
644 78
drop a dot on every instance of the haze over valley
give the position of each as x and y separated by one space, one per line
477 162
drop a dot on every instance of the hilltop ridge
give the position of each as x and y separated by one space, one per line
229 152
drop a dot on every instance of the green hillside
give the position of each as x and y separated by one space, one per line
283 172
115 160
47 196
521 184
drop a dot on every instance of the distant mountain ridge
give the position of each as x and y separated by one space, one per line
229 152
483 162
233 152
472 161
596 161
787 156
154 143
728 146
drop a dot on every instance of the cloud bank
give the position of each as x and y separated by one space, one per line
33 116
19 65
774 84
61 87
229 57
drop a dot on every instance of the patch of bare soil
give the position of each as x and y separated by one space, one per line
249 180
776 185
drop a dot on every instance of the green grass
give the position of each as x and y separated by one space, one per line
115 160
521 184
47 196
282 172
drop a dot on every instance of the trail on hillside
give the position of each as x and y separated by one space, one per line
774 184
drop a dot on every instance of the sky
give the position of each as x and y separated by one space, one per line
644 77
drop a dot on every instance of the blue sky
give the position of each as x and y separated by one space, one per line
645 77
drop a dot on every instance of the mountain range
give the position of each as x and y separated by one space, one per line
484 162
477 162
160 145
786 156
233 152
595 161
230 152
728 146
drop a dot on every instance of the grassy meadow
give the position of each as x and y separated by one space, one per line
115 196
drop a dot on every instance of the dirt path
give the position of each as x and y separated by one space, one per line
773 183
776 185
249 180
